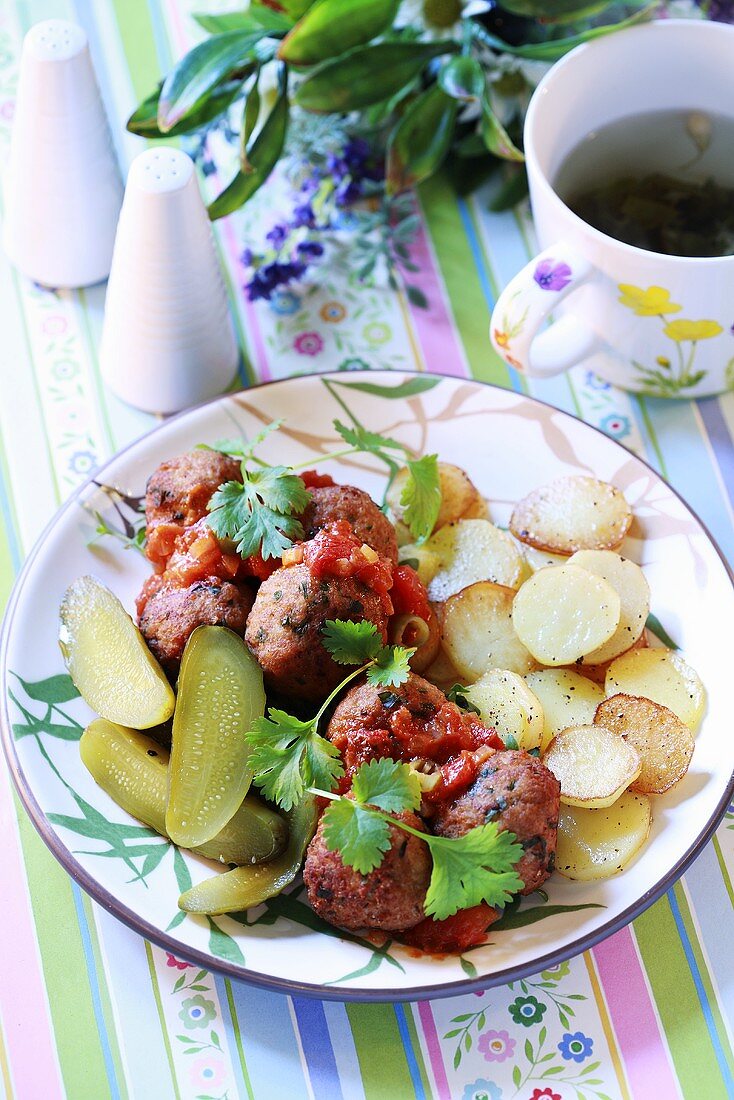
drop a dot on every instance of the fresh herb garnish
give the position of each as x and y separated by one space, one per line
261 513
289 754
477 867
134 541
457 694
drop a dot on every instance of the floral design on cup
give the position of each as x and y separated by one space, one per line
576 1047
673 372
482 1089
197 1012
308 343
550 275
527 1011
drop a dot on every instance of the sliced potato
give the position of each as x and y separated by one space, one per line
458 494
573 513
564 612
442 672
596 844
630 584
598 673
108 660
478 510
478 633
539 559
473 550
567 700
505 702
665 744
425 562
592 764
663 677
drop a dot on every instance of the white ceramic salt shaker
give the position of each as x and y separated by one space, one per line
64 187
167 340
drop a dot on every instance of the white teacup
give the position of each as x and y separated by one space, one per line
644 321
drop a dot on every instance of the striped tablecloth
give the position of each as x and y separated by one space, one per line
88 1009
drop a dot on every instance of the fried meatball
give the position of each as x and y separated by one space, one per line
180 489
415 720
334 502
390 898
284 628
520 794
170 615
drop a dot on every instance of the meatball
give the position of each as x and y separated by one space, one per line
344 502
170 615
284 628
389 898
415 720
180 489
520 794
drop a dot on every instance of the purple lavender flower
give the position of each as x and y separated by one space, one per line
277 235
347 192
310 248
246 257
269 276
550 275
721 11
303 215
208 167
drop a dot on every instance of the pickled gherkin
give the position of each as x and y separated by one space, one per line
220 694
133 770
108 660
245 887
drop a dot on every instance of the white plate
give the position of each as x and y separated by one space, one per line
509 444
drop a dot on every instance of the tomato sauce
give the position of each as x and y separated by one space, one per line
464 929
336 552
408 594
313 480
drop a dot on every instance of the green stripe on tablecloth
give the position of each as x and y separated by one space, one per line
64 969
382 1061
696 942
136 35
677 1003
161 1018
459 272
417 1050
104 997
724 870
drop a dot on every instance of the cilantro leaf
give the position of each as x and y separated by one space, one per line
457 694
421 496
476 867
365 440
387 784
288 755
258 512
359 836
242 448
351 643
391 667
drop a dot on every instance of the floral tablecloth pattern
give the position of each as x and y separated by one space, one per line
90 1010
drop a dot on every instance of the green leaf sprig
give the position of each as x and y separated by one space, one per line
289 754
467 870
260 513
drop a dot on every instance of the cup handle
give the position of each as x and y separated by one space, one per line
525 305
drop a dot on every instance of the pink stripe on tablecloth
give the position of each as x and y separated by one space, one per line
24 1011
641 1044
442 349
433 1046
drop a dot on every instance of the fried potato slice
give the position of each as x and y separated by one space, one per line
598 673
596 844
663 677
505 702
425 562
630 584
665 744
458 495
539 559
472 550
442 672
572 513
564 612
592 764
567 700
478 633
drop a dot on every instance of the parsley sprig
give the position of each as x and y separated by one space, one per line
289 754
477 867
261 513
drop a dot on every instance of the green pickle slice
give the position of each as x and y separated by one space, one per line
108 660
220 694
133 770
245 887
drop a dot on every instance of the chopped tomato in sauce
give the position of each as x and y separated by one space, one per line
336 552
464 929
313 480
408 594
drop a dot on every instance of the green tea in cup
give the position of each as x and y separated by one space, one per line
662 181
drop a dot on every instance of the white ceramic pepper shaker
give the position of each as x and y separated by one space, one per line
64 187
167 340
